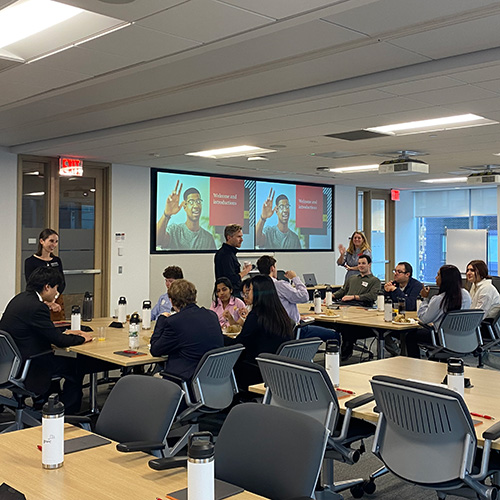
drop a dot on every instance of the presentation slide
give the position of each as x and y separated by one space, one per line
192 210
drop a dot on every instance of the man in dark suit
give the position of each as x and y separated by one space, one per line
27 319
187 335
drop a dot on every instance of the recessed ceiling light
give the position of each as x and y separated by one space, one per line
496 154
28 17
231 152
357 168
447 180
433 125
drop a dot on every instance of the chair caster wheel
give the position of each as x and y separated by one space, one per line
357 491
369 487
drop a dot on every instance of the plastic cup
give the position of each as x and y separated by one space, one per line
101 333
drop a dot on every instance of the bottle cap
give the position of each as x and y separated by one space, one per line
201 445
332 346
53 406
146 304
134 318
456 366
122 300
75 310
87 295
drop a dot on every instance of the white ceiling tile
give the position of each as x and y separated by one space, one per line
280 8
139 44
421 85
204 20
392 15
443 97
128 12
469 36
477 75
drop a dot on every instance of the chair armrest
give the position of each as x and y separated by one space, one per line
77 420
44 353
139 446
168 463
492 432
360 400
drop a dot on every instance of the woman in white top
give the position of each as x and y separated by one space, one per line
483 294
451 297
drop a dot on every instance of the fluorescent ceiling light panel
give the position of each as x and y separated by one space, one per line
433 125
28 17
447 180
358 168
231 152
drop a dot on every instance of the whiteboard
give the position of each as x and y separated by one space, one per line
464 245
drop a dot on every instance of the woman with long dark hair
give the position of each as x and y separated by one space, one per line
451 297
225 304
483 294
44 257
266 327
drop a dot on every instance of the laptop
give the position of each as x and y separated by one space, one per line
310 279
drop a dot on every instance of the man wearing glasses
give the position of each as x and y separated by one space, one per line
279 236
189 235
404 286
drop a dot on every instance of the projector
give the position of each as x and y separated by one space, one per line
403 166
484 178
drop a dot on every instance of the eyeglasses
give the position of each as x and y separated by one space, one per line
283 207
192 203
398 271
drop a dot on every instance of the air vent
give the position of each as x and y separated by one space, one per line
356 135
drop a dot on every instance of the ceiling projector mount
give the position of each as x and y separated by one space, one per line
404 164
488 176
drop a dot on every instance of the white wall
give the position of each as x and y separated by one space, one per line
199 268
8 204
406 231
130 187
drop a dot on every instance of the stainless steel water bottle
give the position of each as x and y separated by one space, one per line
146 315
200 467
332 361
88 307
317 301
76 318
53 433
455 376
122 310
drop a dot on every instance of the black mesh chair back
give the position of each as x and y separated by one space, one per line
270 451
10 359
302 349
425 434
301 386
213 383
459 332
139 408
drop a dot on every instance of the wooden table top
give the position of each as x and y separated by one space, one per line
353 315
481 398
99 473
116 340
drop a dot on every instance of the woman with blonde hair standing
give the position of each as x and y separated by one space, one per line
358 246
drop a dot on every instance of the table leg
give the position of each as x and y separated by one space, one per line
93 393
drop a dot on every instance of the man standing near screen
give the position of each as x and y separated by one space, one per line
279 236
225 260
189 235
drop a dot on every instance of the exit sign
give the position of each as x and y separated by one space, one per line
395 194
70 167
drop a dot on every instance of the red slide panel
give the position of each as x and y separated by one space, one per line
227 201
309 211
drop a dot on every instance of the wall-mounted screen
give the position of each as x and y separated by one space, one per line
190 212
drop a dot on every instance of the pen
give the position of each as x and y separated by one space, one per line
487 417
349 392
39 446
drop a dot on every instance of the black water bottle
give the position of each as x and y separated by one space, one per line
88 307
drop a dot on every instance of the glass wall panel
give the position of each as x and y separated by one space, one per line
378 239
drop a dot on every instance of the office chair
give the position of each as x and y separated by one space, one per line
138 414
458 334
279 460
211 390
425 435
13 373
490 333
303 349
306 388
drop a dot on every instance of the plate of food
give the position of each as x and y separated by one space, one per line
401 319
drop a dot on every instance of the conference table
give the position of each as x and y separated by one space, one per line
363 317
97 473
116 340
481 398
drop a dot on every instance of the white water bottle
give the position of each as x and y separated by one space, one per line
122 310
455 376
419 303
146 315
332 361
200 466
388 311
53 433
76 318
133 332
380 302
328 297
317 302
